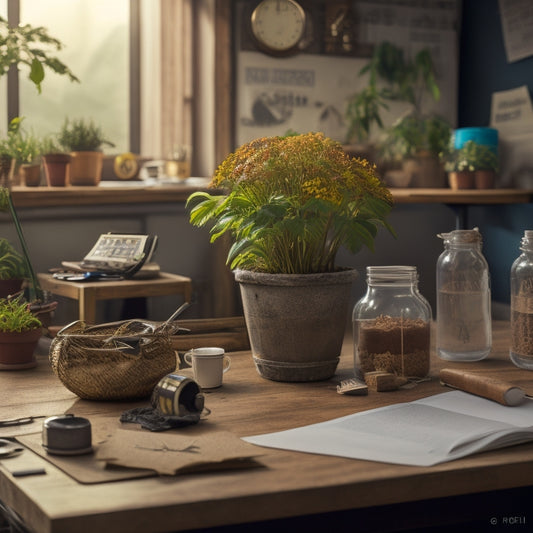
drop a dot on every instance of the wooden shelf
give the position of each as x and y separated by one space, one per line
128 194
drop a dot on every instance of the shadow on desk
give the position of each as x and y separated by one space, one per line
506 510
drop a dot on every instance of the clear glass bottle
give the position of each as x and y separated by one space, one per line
464 328
521 351
391 324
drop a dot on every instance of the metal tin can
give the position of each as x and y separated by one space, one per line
177 395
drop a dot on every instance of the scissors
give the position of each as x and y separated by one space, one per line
9 448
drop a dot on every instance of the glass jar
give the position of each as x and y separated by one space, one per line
391 324
521 352
464 329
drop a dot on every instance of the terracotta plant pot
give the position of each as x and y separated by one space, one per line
86 168
30 175
56 169
17 349
484 179
296 322
463 179
425 171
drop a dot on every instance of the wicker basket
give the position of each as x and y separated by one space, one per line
115 361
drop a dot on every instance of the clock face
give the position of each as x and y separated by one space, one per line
278 25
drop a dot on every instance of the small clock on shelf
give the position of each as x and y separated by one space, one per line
279 26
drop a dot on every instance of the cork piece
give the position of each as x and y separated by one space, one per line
381 381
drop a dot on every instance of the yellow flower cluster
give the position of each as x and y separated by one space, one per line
301 166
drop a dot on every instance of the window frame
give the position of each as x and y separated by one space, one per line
13 104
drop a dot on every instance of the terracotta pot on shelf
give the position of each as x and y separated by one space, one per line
484 179
461 179
30 174
86 168
56 169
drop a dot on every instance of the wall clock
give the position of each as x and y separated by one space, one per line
278 26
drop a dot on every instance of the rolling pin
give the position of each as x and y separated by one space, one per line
491 388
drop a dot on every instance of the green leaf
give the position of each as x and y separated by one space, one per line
37 73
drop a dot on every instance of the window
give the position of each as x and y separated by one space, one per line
96 35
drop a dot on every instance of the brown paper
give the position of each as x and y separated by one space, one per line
173 453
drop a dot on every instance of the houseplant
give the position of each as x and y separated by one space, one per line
56 162
472 165
25 148
13 269
84 140
290 203
30 46
20 331
34 291
415 139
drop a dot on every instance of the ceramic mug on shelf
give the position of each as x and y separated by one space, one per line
208 364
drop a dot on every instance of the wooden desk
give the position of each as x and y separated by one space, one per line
87 293
291 484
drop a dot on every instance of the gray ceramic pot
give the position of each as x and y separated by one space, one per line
296 322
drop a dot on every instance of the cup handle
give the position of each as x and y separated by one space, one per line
187 357
227 363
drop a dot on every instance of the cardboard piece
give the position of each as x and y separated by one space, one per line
173 453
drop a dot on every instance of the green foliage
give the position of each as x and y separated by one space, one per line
291 202
413 134
24 146
81 135
12 264
15 316
50 145
31 46
471 156
391 78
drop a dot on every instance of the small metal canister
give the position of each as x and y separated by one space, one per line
177 395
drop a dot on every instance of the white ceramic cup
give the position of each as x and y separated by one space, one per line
208 365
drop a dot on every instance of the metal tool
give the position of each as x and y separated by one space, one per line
9 448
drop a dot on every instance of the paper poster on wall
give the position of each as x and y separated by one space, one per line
517 27
302 93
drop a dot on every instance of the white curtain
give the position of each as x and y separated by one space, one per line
177 88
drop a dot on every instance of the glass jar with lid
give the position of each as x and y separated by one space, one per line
521 352
464 328
391 324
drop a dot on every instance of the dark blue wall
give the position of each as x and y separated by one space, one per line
483 69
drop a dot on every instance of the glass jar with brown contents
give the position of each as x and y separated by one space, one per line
391 324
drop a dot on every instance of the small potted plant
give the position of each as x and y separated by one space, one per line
56 162
472 165
290 203
20 331
84 140
26 150
13 269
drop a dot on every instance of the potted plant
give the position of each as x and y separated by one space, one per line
56 162
34 291
26 151
20 331
290 203
414 140
84 140
13 269
472 165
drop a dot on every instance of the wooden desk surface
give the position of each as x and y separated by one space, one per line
291 484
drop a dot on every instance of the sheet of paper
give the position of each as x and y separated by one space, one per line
422 433
517 25
512 116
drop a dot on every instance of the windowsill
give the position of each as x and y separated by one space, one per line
108 192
